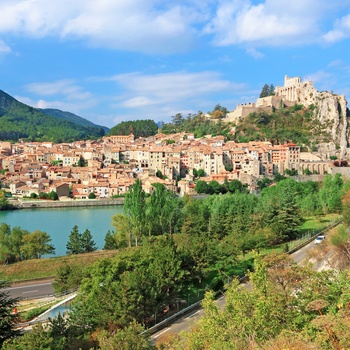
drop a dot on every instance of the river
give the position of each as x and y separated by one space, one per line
59 222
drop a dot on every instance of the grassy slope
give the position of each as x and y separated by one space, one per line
47 267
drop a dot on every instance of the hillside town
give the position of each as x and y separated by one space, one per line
109 166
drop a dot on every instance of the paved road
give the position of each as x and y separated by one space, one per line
31 290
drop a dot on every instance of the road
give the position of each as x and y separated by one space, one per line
31 290
186 322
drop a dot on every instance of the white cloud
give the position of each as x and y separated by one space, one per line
255 53
171 87
4 48
136 25
65 95
273 22
65 87
341 30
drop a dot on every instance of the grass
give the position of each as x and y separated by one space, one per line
316 223
47 267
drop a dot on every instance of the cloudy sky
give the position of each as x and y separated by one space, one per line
115 60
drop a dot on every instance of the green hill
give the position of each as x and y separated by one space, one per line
295 124
19 121
71 117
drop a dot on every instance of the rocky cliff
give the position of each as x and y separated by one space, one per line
330 111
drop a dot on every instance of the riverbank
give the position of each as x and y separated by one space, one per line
65 203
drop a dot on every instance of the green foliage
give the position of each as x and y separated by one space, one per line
330 194
160 174
87 243
67 278
131 337
279 209
111 241
267 90
19 121
92 195
80 243
285 301
163 211
18 244
74 244
7 318
294 124
36 244
197 124
213 187
134 212
53 196
4 204
132 285
139 128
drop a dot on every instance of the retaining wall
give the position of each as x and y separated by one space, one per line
67 203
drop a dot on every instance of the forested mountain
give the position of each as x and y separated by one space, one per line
71 117
19 121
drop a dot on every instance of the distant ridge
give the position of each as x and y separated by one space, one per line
57 113
20 121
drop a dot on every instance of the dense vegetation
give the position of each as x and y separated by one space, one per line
170 247
199 124
19 121
285 124
139 128
17 244
294 124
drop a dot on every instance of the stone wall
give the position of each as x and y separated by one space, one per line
65 204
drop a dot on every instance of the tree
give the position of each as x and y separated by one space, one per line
36 244
131 337
264 91
91 195
3 200
110 241
134 210
53 195
81 161
177 119
200 173
330 194
131 285
88 245
16 241
67 277
38 338
74 244
7 317
235 186
201 187
162 212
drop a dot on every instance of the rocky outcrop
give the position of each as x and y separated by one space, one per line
330 109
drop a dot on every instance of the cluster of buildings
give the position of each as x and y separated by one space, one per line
109 166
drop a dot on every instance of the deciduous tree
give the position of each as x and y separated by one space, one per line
36 244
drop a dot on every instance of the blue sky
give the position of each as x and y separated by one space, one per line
115 60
